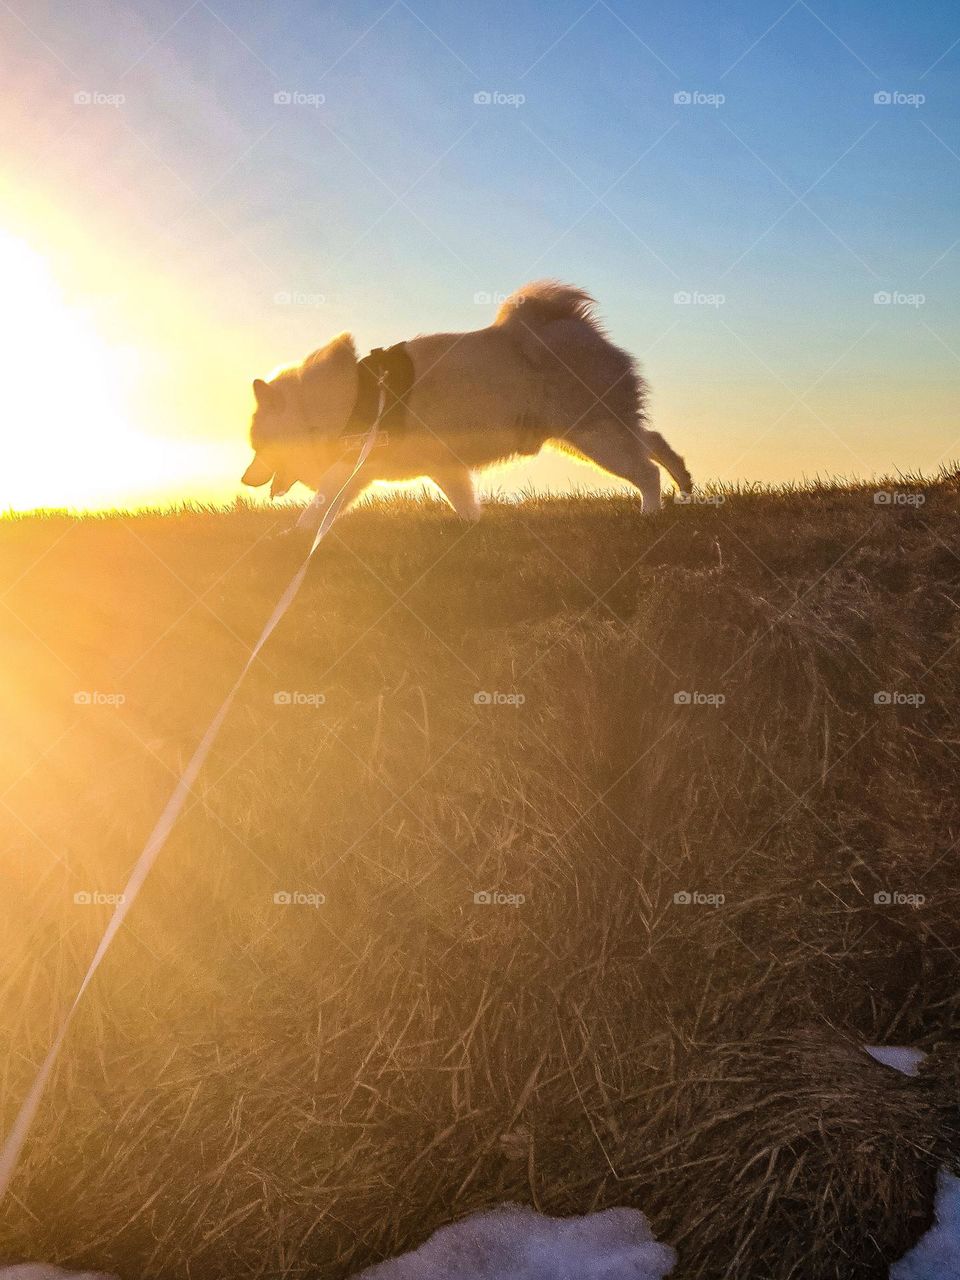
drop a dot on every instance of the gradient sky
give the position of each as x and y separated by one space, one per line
169 247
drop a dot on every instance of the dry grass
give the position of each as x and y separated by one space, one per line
255 1089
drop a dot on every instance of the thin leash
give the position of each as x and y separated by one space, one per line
17 1136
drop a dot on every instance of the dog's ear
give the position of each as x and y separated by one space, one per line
268 396
257 473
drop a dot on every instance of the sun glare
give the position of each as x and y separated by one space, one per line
64 398
73 438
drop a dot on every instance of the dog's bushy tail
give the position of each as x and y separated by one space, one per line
543 301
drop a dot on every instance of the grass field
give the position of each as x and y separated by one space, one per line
255 1087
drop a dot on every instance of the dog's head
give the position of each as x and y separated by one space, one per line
299 417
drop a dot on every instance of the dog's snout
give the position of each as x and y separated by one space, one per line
257 473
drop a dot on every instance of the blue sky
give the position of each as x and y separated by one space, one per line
388 207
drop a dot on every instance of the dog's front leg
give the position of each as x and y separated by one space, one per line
341 481
330 485
312 513
456 485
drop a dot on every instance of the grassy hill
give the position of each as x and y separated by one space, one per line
753 704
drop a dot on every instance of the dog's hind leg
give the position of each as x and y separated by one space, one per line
456 485
616 450
661 452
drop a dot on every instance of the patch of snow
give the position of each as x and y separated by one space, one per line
516 1243
897 1056
936 1256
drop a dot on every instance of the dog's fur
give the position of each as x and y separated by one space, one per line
543 371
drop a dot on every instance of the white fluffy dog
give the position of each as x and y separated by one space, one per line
455 402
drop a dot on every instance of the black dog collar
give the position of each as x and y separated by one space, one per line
393 370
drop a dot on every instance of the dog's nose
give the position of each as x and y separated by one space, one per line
257 473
